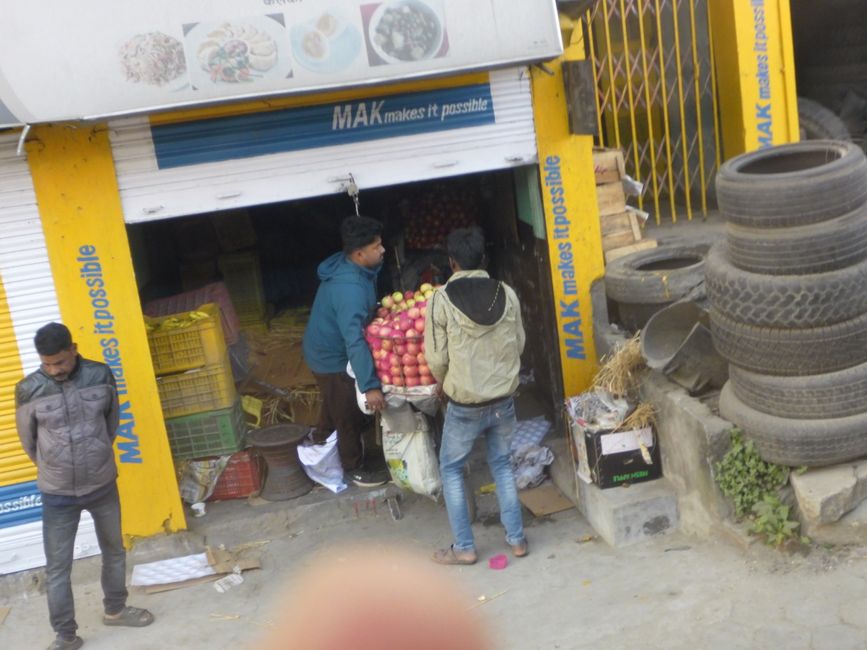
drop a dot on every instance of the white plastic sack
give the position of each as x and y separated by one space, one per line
322 463
411 458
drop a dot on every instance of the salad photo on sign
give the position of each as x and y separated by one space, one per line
404 31
237 51
154 59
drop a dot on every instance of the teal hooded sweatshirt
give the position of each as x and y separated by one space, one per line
342 308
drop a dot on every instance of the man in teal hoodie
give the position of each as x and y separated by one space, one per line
334 336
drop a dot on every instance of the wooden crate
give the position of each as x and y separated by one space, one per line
614 253
611 198
608 165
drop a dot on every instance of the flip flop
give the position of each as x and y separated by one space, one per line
130 617
62 643
450 556
520 550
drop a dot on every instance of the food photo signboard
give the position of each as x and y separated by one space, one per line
98 59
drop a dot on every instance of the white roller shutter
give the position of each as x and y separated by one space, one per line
149 192
32 302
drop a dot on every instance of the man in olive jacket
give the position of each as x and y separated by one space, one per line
67 418
473 340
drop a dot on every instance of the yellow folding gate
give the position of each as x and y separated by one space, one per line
656 99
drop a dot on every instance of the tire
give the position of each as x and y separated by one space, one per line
819 123
787 352
792 184
794 442
785 301
655 276
634 317
830 395
814 248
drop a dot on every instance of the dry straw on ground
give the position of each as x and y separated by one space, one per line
620 369
643 415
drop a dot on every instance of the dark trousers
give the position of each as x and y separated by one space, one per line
340 412
59 525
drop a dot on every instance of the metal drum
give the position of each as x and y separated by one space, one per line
278 445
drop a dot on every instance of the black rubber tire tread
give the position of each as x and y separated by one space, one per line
829 395
820 123
777 351
796 442
814 248
626 282
792 198
788 301
634 317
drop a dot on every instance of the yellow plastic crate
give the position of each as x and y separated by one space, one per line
196 345
203 389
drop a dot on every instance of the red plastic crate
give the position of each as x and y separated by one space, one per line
215 292
241 478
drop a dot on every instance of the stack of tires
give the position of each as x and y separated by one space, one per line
788 294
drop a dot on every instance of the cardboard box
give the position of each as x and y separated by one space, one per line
614 458
611 198
608 165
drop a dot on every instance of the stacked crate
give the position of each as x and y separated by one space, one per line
194 379
621 230
242 275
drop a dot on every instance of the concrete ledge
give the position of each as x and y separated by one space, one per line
691 440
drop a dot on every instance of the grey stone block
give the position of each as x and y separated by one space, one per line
825 494
627 515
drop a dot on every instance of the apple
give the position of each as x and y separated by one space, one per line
423 370
397 380
400 349
373 329
404 324
385 378
387 345
408 295
383 311
418 324
421 303
410 303
428 294
413 348
412 313
385 331
409 360
418 295
423 312
393 359
412 382
426 380
414 334
421 359
376 343
397 297
410 371
425 287
422 345
387 302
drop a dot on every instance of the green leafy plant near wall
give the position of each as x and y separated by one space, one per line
752 484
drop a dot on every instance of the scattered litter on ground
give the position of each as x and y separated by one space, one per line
226 617
678 548
175 573
232 580
484 599
585 538
4 612
586 583
488 488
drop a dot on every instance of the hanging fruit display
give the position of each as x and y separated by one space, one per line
396 339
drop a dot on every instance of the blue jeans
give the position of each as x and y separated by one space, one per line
463 424
59 525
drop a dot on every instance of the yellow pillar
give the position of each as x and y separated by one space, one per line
79 203
754 59
571 221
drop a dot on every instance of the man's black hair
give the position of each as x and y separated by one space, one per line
358 232
52 338
466 246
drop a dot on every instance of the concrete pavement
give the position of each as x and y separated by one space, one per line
670 592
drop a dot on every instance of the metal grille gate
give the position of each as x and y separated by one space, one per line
656 98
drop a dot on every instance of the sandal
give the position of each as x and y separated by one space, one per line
66 643
450 556
130 617
520 550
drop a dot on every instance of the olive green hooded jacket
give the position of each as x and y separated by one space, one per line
474 338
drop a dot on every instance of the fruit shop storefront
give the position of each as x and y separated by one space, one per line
225 149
